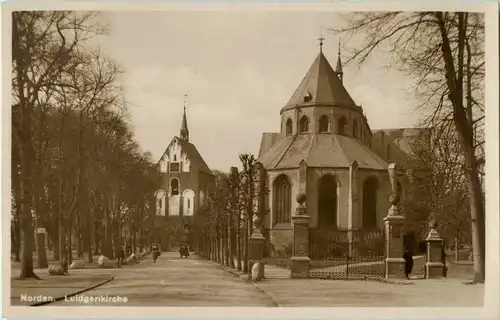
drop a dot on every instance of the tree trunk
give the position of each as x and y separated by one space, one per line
56 246
18 241
478 226
88 236
69 240
466 132
106 243
245 246
226 242
41 237
230 252
238 243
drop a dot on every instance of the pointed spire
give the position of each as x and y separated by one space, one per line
184 126
338 69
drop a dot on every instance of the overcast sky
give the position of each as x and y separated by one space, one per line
238 69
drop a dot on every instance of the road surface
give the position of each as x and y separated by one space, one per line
172 282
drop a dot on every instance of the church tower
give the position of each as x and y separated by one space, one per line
185 181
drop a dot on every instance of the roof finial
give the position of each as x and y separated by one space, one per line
338 69
184 127
321 38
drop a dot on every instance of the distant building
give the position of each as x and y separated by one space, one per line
326 149
185 180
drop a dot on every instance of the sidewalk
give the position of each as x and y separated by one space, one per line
32 291
287 292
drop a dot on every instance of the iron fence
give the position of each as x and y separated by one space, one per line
347 254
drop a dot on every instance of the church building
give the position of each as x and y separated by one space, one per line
324 149
185 179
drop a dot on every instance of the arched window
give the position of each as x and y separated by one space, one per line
304 124
327 202
282 200
174 187
388 152
160 202
324 124
355 128
370 189
288 127
341 125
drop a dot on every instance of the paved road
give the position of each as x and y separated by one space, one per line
177 282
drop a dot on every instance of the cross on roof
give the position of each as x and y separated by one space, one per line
321 38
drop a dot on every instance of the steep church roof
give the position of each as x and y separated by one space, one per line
187 147
268 140
320 86
194 156
321 150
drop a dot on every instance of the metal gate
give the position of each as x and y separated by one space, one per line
347 254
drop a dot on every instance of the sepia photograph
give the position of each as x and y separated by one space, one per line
247 158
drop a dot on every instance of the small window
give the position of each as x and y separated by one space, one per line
341 125
324 124
189 203
175 157
174 167
304 124
308 97
288 127
355 128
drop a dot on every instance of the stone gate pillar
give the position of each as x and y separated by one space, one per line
394 262
256 245
300 262
434 266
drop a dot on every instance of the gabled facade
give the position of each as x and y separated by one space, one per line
185 178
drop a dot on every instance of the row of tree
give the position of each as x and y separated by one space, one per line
226 221
77 171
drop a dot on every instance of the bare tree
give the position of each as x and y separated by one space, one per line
42 44
443 52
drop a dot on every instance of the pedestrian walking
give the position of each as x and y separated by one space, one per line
120 258
408 257
156 253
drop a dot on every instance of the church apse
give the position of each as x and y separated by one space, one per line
322 132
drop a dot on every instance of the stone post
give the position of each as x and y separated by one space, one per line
300 262
394 262
434 266
353 211
40 238
256 252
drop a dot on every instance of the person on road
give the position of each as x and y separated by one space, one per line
184 251
408 257
120 258
156 253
